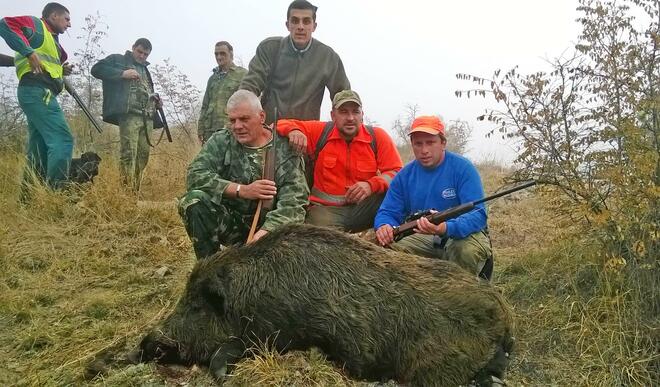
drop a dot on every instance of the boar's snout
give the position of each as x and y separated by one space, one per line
156 346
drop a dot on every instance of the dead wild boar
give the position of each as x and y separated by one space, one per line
378 313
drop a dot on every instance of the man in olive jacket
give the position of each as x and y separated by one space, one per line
129 102
291 73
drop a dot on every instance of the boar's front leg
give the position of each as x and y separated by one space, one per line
225 357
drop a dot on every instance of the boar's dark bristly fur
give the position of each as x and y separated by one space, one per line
378 313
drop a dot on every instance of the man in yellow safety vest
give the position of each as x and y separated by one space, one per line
40 64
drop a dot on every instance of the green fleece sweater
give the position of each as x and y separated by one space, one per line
299 80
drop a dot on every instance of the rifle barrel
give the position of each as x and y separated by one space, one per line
166 127
506 192
268 173
82 105
270 164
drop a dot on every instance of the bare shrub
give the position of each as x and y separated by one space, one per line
589 130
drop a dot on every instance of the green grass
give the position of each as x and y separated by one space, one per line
78 278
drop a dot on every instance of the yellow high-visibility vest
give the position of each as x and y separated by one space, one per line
48 54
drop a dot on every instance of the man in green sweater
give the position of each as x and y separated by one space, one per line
292 72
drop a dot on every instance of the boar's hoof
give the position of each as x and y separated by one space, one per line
95 368
101 363
225 357
135 356
491 381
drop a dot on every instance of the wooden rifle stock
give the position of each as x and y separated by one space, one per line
270 165
408 228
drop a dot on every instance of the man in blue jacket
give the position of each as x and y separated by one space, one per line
437 179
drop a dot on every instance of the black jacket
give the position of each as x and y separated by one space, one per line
115 88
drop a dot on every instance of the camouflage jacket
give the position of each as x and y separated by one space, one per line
219 88
223 160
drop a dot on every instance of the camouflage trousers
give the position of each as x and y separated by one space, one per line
350 218
210 225
133 148
474 253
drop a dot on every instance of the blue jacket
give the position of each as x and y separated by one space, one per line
416 188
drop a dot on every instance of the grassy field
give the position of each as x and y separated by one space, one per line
80 276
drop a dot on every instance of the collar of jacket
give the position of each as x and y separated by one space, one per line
216 69
63 55
129 58
361 136
50 28
297 50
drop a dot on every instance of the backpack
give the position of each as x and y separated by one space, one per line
310 161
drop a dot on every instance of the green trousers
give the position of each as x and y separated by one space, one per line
50 142
350 218
210 225
133 148
473 253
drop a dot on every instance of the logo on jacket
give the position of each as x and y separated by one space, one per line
449 193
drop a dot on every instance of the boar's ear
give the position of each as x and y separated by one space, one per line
214 294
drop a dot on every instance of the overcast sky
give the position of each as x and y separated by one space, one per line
395 52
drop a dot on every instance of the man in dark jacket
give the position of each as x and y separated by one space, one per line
129 102
291 73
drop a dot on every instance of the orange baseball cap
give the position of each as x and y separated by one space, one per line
428 124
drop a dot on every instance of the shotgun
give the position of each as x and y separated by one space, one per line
82 105
161 114
6 60
270 164
408 228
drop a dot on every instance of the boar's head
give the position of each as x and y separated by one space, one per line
198 331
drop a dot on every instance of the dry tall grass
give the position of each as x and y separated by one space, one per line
80 277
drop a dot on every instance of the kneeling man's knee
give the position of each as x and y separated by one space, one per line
471 253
